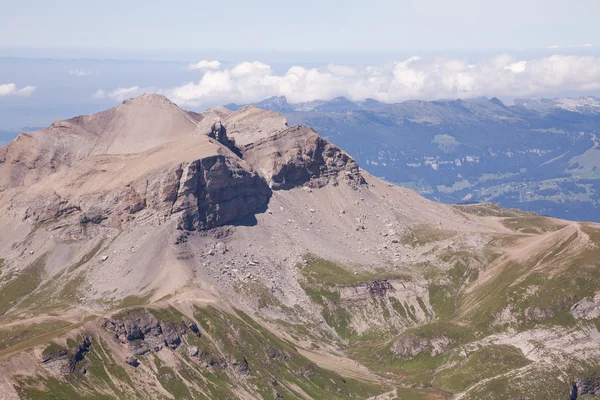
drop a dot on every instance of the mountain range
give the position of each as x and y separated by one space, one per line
152 252
537 155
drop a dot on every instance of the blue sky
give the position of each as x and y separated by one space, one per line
348 25
62 58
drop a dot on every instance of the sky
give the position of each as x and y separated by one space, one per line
64 58
338 25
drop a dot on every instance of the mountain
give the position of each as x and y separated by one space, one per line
233 256
538 155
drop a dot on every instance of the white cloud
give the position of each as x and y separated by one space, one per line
10 89
414 78
122 93
205 64
572 46
100 94
517 67
78 72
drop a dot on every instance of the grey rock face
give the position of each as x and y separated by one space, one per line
409 346
215 191
66 361
298 156
193 351
219 133
537 314
132 361
203 194
588 386
143 333
587 308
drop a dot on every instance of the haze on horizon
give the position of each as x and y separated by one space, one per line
69 57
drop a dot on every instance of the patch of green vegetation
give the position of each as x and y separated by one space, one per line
329 273
423 234
135 301
379 356
63 288
271 359
25 283
546 382
53 349
532 224
492 210
168 314
263 295
338 318
54 389
54 293
323 281
445 292
540 290
171 381
20 333
412 394
487 362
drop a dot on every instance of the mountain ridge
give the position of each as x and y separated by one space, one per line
252 259
537 154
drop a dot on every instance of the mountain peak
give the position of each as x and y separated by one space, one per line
496 101
148 98
137 125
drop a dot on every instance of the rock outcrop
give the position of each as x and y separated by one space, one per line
65 361
142 332
588 386
215 191
202 194
200 180
298 156
409 346
219 133
587 308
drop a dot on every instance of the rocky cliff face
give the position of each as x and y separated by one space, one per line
201 194
215 191
227 184
298 156
585 387
142 332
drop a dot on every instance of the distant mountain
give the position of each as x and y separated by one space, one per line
540 155
278 104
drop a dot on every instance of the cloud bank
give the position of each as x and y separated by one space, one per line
122 93
205 64
413 78
10 89
78 72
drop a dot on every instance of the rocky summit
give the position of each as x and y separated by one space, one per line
151 252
